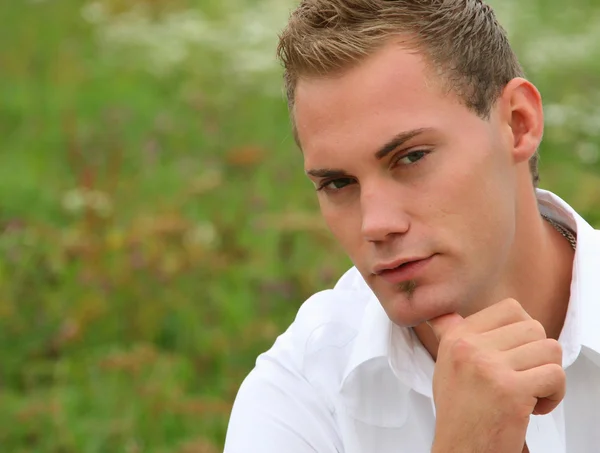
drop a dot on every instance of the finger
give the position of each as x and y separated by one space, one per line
534 355
513 335
502 313
442 324
545 406
547 383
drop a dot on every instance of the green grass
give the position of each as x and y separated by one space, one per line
157 232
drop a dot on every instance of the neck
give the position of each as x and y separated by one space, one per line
538 275
541 282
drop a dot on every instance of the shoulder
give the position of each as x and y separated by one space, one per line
316 347
288 400
338 309
328 319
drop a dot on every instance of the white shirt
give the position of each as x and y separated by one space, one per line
344 379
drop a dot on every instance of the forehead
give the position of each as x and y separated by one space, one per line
390 92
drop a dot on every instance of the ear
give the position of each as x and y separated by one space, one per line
523 113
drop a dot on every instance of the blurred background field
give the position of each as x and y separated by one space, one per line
156 230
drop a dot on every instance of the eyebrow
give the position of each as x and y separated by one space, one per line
397 141
327 173
400 140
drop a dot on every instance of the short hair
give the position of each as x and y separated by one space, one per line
461 41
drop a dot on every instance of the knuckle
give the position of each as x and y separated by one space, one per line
556 375
511 303
557 372
485 367
462 349
555 349
513 306
536 328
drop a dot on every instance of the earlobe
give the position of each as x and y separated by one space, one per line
526 118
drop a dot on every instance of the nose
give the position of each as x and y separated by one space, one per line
383 213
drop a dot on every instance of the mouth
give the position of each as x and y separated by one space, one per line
403 270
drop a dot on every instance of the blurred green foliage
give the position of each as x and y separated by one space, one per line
156 230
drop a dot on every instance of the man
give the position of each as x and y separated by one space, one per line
468 323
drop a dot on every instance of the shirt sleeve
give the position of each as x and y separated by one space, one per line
277 410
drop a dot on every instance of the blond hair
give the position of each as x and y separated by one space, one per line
461 40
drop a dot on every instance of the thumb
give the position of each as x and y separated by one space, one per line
442 324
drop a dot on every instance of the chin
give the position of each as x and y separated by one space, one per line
412 304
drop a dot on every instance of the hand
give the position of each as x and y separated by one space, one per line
493 370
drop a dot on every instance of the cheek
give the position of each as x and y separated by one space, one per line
344 223
333 219
465 198
474 180
446 196
477 205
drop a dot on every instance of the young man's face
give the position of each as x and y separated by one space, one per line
407 173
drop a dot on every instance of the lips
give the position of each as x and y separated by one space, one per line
403 270
393 265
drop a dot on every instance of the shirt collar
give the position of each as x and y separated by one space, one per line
373 339
378 338
581 324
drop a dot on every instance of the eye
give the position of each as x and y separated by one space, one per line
411 158
335 185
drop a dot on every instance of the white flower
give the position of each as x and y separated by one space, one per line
588 153
73 201
77 200
204 234
94 12
246 38
557 115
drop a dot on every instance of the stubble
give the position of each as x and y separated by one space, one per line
408 288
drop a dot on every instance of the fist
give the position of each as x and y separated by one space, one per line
493 370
